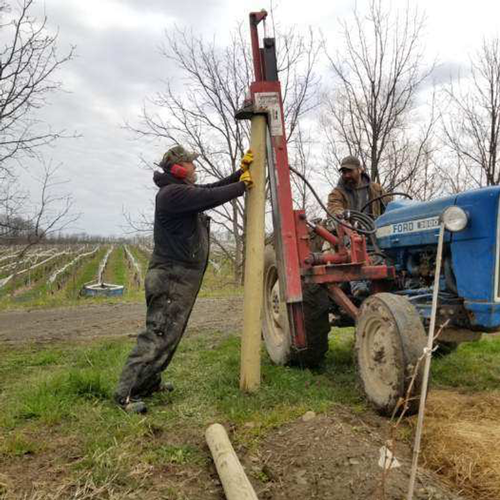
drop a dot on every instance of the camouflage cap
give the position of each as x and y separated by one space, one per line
350 162
177 154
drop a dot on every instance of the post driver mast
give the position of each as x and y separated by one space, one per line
297 265
303 285
265 98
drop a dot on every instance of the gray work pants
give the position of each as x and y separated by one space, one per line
170 296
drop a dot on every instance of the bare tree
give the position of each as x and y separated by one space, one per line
12 201
201 116
302 156
48 215
47 212
471 122
28 63
138 224
371 111
456 176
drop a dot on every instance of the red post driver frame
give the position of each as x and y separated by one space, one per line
265 96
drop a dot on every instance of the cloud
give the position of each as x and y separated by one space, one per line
118 64
448 71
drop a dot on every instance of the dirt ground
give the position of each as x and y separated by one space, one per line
336 457
331 456
108 320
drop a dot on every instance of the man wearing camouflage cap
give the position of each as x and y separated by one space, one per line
176 267
355 189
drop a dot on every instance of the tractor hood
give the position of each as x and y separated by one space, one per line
407 223
413 223
410 226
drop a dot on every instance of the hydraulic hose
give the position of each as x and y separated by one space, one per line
393 193
365 221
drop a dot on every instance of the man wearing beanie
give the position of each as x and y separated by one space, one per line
176 267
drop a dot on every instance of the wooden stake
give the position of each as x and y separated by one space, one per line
233 478
254 260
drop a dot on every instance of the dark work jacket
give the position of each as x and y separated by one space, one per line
181 230
345 198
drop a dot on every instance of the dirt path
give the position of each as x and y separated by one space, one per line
99 320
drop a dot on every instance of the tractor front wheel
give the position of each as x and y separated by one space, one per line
390 339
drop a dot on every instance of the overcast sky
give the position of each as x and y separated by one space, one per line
118 65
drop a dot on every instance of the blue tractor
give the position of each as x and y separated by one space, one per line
394 259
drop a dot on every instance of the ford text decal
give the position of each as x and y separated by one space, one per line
411 226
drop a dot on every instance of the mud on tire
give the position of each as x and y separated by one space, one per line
275 327
390 339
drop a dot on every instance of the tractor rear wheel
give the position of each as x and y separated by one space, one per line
390 339
275 326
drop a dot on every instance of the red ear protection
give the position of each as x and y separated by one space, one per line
178 171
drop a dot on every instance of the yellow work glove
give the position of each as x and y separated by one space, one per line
247 179
247 160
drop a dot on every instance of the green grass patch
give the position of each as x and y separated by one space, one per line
65 385
32 285
15 363
473 366
63 394
86 274
69 294
172 454
141 256
116 267
42 295
18 444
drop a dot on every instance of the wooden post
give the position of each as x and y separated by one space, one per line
233 478
254 260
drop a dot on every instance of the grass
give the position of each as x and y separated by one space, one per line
86 274
62 394
30 286
474 366
43 296
57 402
141 257
116 268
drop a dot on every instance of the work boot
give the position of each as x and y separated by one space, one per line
164 387
133 405
158 386
136 406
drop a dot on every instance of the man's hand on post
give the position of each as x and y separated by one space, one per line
247 179
247 160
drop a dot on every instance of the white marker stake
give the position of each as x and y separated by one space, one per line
427 366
